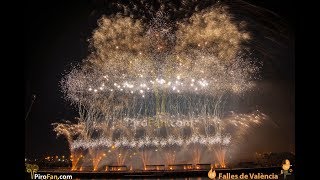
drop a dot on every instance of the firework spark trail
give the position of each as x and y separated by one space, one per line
145 157
196 155
220 153
97 155
70 131
170 156
75 157
121 156
237 124
161 84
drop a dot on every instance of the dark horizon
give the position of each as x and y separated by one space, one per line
56 37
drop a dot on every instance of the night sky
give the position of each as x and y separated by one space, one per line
56 36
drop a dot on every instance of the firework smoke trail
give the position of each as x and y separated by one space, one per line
154 82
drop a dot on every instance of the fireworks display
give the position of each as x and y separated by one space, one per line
157 85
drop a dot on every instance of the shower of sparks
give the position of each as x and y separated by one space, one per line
160 84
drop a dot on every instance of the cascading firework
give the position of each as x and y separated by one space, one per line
160 87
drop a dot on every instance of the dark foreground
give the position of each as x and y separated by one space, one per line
271 172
